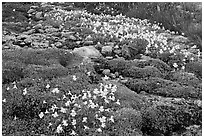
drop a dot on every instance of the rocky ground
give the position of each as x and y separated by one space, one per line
70 72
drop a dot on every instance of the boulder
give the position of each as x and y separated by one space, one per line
87 51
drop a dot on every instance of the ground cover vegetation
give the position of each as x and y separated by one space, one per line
101 69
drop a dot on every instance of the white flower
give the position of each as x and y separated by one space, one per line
55 90
73 113
114 88
54 107
55 115
64 122
25 91
44 101
47 86
99 130
59 129
111 119
67 103
15 87
86 127
94 97
84 96
96 91
74 122
74 77
106 100
63 110
73 132
103 125
175 65
85 102
102 119
41 115
105 78
84 119
101 109
4 100
118 102
46 112
111 98
7 88
64 97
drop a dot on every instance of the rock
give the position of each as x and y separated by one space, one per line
28 40
30 11
117 51
38 26
180 39
109 57
106 72
39 15
86 43
31 31
107 50
58 44
71 37
87 51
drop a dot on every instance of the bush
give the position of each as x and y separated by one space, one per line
147 71
12 71
172 16
165 119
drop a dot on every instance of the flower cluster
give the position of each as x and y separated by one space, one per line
90 112
118 29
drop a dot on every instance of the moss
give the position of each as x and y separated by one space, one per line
41 56
12 71
194 67
45 72
165 119
136 72
179 92
128 122
185 78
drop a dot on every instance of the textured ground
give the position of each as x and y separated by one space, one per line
75 73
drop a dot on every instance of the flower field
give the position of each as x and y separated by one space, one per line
70 72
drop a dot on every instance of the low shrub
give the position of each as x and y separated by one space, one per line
12 71
147 71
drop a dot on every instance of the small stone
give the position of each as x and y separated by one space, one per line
33 7
107 50
71 37
38 15
38 26
86 43
116 47
31 31
31 11
116 74
28 40
106 72
109 57
113 75
58 44
117 51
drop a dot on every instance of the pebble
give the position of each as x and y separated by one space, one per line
38 15
38 26
107 50
86 43
106 72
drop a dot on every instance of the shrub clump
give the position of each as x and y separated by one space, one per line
136 72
